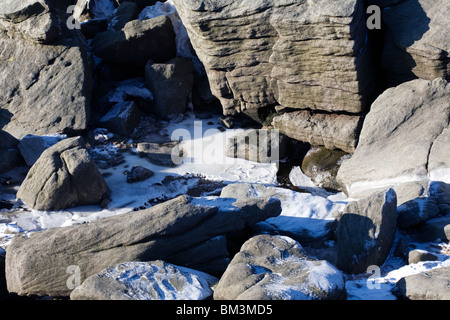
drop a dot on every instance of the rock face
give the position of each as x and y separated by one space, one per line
301 55
366 232
417 111
156 280
176 231
429 285
276 267
64 176
416 44
171 84
50 89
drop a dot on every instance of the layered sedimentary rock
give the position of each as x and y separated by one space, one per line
417 43
45 71
299 54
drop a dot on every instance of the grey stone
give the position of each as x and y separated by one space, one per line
332 131
171 84
138 174
138 42
155 280
124 13
416 45
366 232
303 55
417 110
429 285
416 256
38 264
32 19
64 176
277 268
51 87
123 118
435 229
32 146
258 145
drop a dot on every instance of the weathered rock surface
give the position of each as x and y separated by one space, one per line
9 152
138 42
430 285
64 176
416 44
397 136
155 280
170 231
309 54
32 19
366 232
332 131
277 268
32 146
171 84
122 119
51 84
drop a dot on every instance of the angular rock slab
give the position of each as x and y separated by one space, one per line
299 54
417 45
64 176
321 129
430 285
45 88
39 264
366 232
276 268
156 280
398 135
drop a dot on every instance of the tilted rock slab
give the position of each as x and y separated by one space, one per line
154 280
45 72
277 268
298 54
39 264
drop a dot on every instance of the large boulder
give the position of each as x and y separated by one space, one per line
366 232
184 231
137 42
277 268
171 84
298 54
416 44
397 137
333 131
155 280
51 84
428 285
64 176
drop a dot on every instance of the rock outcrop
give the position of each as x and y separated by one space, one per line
184 231
301 55
277 268
51 87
